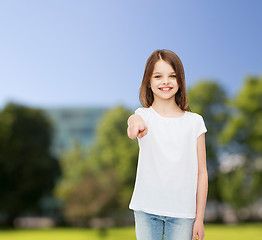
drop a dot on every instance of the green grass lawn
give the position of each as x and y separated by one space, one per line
213 232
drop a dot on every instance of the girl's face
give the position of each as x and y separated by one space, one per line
163 81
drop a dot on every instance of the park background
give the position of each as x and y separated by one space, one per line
70 73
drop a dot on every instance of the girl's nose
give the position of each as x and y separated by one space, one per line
166 80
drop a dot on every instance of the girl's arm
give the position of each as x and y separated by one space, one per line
202 188
133 118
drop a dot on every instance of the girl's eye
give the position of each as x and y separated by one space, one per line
157 76
173 76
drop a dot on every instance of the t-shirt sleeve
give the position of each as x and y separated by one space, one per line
201 127
143 113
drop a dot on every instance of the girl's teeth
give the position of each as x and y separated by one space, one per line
165 88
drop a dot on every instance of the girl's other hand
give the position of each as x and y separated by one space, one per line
198 230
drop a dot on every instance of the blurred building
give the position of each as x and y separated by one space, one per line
72 124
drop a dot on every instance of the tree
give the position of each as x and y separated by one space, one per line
73 165
27 169
243 135
103 176
209 99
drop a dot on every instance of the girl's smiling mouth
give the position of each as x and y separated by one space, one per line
165 89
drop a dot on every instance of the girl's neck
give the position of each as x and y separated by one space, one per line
166 107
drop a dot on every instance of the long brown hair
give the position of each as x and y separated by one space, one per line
146 96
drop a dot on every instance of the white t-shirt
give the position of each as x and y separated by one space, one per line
167 170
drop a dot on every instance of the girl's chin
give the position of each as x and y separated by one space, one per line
163 97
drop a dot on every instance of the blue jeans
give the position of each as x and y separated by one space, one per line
154 227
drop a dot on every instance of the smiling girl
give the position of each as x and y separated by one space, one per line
171 185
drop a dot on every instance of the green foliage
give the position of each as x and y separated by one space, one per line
238 188
100 179
237 124
27 169
72 165
249 99
208 99
244 126
91 197
243 135
112 149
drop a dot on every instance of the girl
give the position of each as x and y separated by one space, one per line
171 185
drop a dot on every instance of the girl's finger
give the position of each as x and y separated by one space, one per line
143 133
194 236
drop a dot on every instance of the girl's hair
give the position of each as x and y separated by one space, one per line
146 96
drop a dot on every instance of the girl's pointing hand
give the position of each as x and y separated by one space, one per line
137 129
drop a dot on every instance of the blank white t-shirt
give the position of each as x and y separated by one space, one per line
167 170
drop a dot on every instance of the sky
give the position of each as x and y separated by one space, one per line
80 53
